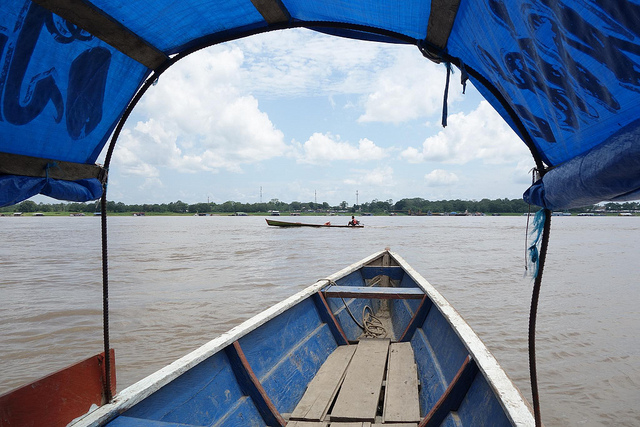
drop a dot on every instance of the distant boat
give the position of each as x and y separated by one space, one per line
277 223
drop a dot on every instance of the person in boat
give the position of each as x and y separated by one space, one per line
353 221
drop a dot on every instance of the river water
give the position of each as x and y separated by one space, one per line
177 282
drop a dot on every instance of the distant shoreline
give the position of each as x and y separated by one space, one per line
283 214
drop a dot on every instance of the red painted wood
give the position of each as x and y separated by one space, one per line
58 398
332 318
256 391
418 319
453 395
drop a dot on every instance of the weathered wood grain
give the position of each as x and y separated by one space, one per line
360 392
401 402
323 388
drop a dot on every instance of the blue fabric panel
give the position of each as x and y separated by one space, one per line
570 70
61 90
610 171
187 20
491 99
409 18
15 189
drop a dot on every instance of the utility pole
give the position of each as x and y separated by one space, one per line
357 204
261 194
315 194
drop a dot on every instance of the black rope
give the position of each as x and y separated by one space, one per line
105 296
446 96
532 317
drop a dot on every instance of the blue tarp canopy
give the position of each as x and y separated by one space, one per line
565 75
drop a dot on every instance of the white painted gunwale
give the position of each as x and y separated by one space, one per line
512 401
137 392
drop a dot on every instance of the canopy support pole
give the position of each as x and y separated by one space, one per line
532 318
105 296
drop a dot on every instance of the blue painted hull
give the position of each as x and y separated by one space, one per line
257 375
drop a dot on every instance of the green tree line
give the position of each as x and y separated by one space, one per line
404 206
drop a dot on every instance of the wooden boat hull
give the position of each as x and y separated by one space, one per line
277 223
258 372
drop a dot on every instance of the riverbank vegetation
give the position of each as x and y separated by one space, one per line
414 206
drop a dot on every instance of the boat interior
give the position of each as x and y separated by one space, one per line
369 349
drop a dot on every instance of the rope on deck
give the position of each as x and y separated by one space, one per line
371 325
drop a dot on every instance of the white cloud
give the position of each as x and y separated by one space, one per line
320 148
379 176
410 88
440 178
482 134
301 62
195 119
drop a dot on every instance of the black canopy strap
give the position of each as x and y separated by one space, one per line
463 76
446 96
273 11
16 164
533 314
441 18
106 28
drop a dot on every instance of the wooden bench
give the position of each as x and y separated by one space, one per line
375 292
351 383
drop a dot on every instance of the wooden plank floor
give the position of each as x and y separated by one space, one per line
360 392
356 374
401 394
323 388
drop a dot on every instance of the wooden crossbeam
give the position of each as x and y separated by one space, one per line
251 386
453 395
418 319
106 28
373 292
327 317
16 164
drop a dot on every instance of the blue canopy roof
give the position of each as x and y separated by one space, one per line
565 75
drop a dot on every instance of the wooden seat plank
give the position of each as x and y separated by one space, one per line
401 401
360 392
323 387
377 292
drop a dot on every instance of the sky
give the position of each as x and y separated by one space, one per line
296 115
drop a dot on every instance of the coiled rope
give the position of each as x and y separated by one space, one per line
371 325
